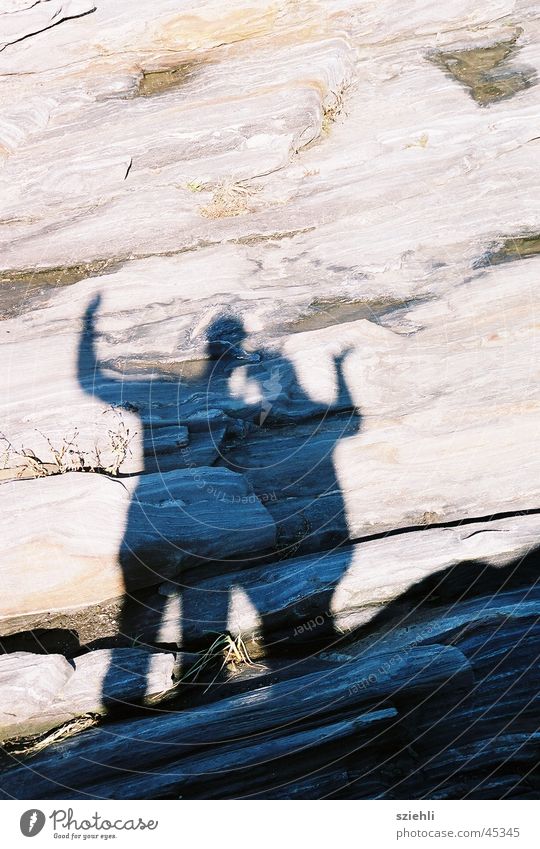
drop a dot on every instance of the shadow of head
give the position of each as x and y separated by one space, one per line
225 339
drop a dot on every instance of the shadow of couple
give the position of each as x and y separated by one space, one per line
244 411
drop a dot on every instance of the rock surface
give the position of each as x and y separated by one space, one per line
268 320
92 684
265 709
28 684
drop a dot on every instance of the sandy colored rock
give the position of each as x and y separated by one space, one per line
29 683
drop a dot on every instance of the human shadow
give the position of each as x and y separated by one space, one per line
244 411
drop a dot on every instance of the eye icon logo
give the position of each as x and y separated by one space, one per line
32 822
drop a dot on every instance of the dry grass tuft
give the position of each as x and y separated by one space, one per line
30 746
120 439
225 650
332 109
229 199
68 456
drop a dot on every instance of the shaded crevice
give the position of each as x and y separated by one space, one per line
486 72
454 523
52 24
161 81
512 248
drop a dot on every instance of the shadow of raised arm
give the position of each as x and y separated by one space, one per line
89 372
343 396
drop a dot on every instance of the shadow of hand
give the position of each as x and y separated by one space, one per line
342 356
89 315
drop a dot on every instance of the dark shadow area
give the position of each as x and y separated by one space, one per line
484 744
42 641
